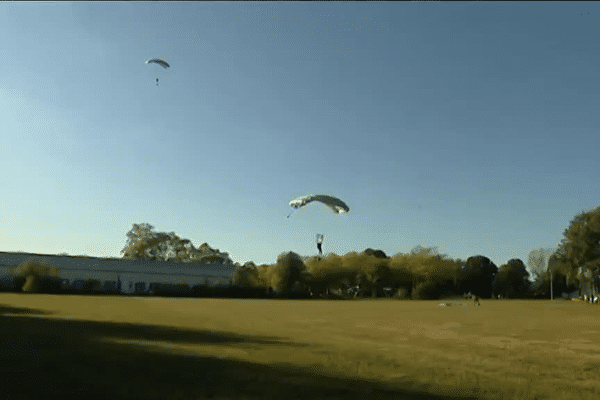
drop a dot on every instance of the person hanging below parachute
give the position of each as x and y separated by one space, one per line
334 203
319 243
160 62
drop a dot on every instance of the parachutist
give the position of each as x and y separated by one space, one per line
160 62
319 243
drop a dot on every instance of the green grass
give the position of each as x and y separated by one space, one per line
160 348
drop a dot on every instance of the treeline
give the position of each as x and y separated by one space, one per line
421 274
424 274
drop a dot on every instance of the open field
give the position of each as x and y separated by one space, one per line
160 348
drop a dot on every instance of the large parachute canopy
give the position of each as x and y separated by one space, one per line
158 61
334 203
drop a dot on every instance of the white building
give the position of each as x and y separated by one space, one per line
131 273
127 287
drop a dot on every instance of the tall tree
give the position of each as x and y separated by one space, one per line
477 276
578 255
144 243
246 275
288 270
511 279
538 260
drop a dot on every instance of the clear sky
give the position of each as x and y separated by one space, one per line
470 126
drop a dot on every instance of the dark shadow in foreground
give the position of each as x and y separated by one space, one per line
52 358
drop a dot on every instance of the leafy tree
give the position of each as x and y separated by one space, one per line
246 275
40 275
370 273
320 273
425 251
428 265
540 287
265 275
178 249
206 254
519 277
144 243
380 275
477 276
403 276
579 250
375 253
338 275
289 269
457 265
511 279
538 260
431 290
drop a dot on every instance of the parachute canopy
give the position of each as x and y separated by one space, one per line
334 203
158 61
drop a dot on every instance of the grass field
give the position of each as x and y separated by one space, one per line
160 348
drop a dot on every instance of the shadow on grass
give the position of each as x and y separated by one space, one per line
22 311
53 358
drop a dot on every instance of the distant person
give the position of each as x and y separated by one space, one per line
476 300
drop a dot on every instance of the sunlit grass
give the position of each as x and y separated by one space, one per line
500 350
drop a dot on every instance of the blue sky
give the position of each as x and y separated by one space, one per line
470 126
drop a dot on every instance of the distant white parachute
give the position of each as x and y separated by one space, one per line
160 62
334 203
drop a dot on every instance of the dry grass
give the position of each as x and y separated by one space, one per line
160 348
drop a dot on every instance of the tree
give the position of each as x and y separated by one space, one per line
428 265
373 272
477 276
246 275
324 273
289 270
39 274
538 260
144 243
337 275
511 279
424 251
206 254
550 284
578 255
376 253
538 265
